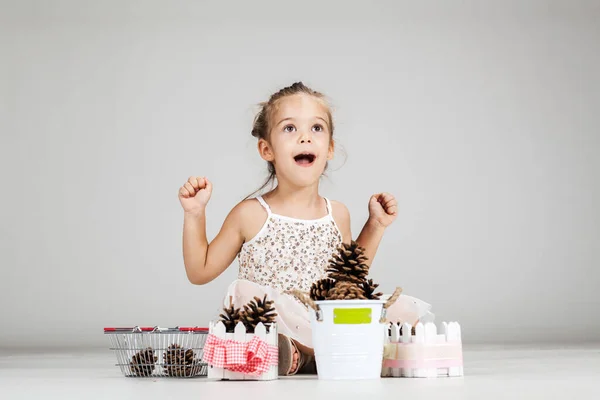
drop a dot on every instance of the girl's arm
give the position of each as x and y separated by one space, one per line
383 209
369 238
382 212
205 261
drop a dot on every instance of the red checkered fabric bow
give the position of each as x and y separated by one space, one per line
253 358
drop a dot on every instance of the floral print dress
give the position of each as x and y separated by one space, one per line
289 253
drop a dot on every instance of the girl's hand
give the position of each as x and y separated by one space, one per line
383 209
194 194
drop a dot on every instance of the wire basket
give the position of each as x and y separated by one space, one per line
159 352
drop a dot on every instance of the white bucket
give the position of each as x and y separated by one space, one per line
348 338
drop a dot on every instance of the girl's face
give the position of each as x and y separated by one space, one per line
300 139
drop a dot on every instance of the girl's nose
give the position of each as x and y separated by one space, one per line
305 137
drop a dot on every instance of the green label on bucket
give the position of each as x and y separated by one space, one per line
351 315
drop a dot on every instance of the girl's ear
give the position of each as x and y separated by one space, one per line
265 150
331 150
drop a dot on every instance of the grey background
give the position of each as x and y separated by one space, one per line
480 116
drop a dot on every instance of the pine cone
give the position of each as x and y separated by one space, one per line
320 289
346 291
348 263
257 311
230 317
179 361
142 363
368 288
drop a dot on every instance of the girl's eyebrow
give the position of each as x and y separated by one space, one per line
285 119
291 119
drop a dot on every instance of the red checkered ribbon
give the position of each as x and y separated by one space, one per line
253 358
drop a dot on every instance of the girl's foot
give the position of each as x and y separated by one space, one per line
290 358
295 357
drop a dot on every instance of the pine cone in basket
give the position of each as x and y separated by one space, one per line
142 363
369 287
348 264
344 290
230 317
180 362
320 289
257 311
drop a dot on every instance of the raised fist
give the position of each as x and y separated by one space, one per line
195 193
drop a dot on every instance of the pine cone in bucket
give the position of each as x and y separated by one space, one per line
230 317
346 291
348 264
142 363
320 289
257 311
180 362
369 287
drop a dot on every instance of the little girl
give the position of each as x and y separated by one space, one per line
284 239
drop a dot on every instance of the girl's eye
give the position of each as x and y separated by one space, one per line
318 128
289 128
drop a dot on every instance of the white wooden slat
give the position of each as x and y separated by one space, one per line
419 338
393 339
385 371
238 335
272 340
219 332
210 374
430 339
395 333
406 338
388 332
453 336
460 369
260 332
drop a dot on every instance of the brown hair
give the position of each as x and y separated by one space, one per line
261 127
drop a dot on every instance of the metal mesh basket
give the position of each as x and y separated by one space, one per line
159 352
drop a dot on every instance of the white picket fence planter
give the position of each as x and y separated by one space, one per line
426 354
240 335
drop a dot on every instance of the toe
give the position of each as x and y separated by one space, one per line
295 361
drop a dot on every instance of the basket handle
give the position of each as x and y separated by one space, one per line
194 329
393 298
156 328
143 329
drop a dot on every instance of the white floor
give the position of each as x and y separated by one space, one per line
490 373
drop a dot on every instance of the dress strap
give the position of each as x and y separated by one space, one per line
264 204
329 212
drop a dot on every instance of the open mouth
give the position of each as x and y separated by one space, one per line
305 159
